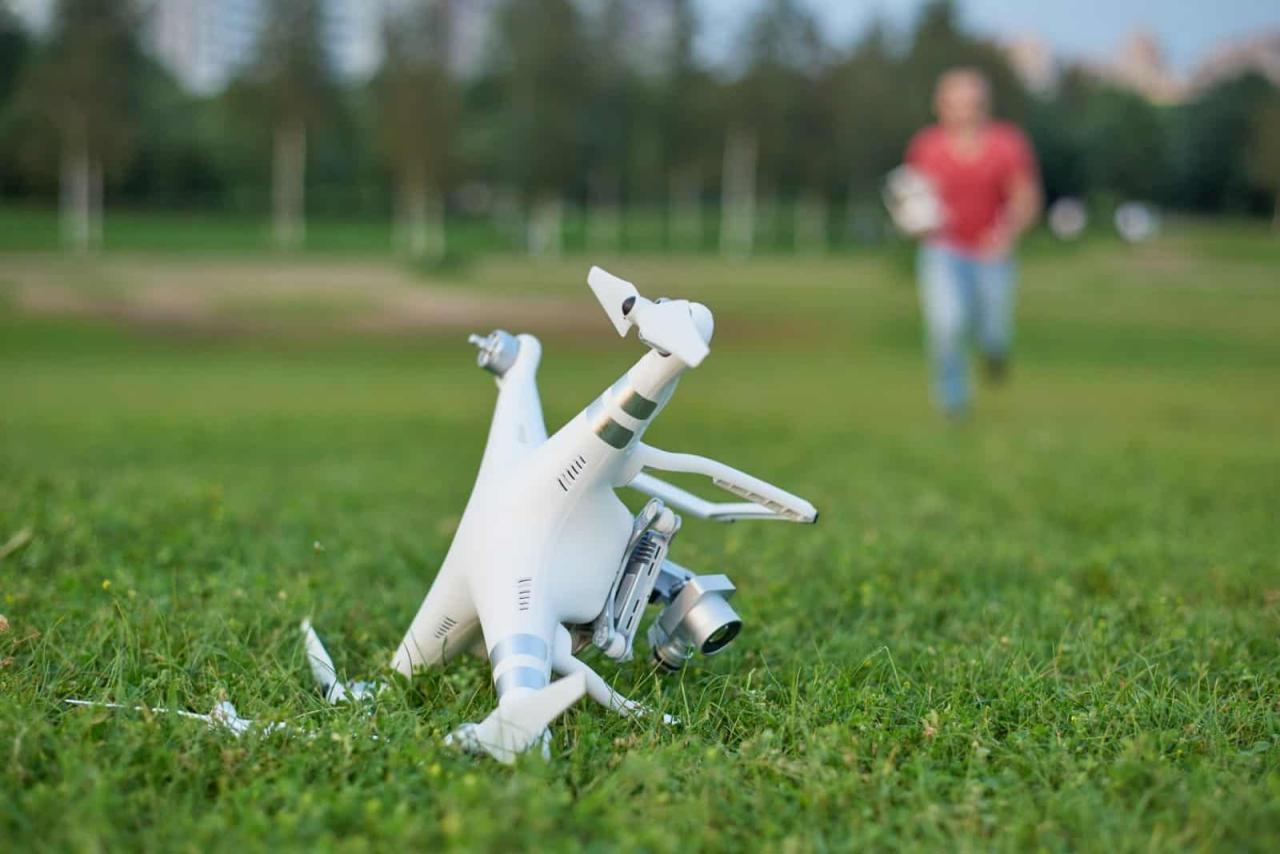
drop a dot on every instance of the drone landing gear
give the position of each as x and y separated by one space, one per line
521 722
565 663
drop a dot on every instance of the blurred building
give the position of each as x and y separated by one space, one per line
1033 61
1140 67
1259 54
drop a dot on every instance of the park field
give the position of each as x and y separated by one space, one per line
1052 625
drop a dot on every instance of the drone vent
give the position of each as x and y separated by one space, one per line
570 474
446 626
524 593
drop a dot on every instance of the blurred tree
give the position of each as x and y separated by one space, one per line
289 86
738 192
938 43
14 45
1058 136
611 118
772 116
603 101
14 48
77 91
1264 153
688 124
417 115
1212 137
1125 145
542 67
172 164
871 123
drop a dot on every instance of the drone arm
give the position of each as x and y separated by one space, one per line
764 500
518 426
693 505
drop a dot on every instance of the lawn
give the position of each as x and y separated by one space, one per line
1051 626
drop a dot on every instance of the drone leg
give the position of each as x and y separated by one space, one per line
564 663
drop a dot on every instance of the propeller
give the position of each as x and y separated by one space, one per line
678 327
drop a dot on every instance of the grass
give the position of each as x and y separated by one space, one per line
1052 627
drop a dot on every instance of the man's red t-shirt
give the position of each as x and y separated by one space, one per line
973 189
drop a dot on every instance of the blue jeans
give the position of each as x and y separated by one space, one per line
963 296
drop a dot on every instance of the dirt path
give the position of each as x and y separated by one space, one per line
259 297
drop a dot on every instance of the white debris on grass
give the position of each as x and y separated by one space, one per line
224 715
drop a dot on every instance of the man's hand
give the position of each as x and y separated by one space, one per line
1019 213
998 242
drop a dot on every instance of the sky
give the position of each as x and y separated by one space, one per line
1187 29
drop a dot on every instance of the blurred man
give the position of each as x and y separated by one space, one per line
985 176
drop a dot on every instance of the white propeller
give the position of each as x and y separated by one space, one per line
678 327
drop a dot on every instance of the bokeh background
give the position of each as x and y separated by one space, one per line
242 244
478 125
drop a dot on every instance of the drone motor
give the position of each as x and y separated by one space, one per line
497 351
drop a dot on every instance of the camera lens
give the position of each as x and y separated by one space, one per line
721 637
711 623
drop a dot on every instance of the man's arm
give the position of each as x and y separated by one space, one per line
1024 200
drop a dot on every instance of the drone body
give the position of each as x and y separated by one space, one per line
547 558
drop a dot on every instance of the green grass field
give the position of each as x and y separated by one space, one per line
1053 626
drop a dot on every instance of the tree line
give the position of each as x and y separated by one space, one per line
576 105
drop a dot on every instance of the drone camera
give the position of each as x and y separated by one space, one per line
697 618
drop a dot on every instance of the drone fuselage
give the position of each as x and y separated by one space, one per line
546 553
543 533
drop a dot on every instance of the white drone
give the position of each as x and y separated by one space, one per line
913 202
547 560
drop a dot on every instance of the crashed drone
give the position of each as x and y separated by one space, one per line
547 560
